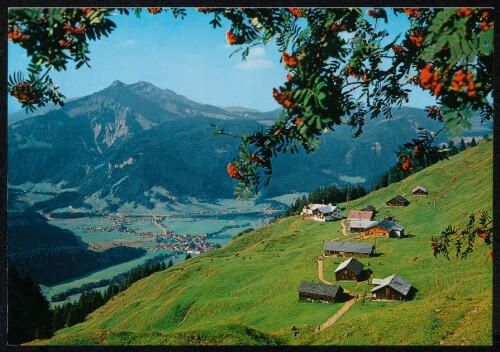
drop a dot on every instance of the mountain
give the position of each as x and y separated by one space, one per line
246 292
141 144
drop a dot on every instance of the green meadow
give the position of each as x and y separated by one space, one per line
246 292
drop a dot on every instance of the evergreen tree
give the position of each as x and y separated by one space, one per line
170 263
473 142
462 145
29 315
188 256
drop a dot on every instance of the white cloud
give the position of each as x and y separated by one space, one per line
255 60
129 42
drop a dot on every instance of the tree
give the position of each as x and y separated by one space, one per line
463 238
473 142
462 145
188 256
29 315
343 68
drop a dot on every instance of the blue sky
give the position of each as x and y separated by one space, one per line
187 56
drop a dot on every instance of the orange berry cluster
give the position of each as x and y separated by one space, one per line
397 49
86 10
464 80
373 13
70 30
338 27
352 72
16 36
406 163
434 112
298 121
412 12
464 11
290 60
283 99
296 12
430 80
484 24
68 44
25 93
204 9
417 39
258 160
232 38
233 172
154 10
289 77
490 253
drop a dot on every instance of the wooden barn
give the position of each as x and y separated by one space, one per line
392 288
419 191
360 225
397 201
349 270
348 249
321 212
385 228
313 291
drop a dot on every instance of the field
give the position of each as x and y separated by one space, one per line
246 292
196 219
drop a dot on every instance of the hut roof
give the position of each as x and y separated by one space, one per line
419 188
351 264
388 225
362 224
348 247
400 199
319 288
360 215
395 282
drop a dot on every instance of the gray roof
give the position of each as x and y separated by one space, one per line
319 288
400 198
419 188
395 282
351 264
348 247
362 224
388 225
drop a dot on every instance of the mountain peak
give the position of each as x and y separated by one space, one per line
118 83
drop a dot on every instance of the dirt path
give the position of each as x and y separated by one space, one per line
344 228
336 316
342 310
320 272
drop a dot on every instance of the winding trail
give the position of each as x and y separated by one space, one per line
344 228
336 316
342 310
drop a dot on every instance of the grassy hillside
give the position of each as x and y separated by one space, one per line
246 292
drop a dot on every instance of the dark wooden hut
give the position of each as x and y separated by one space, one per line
313 291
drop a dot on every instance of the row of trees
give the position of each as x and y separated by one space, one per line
30 316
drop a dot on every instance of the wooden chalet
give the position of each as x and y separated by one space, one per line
348 249
349 270
392 288
360 225
321 212
397 201
385 228
419 191
313 291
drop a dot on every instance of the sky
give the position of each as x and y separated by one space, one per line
186 56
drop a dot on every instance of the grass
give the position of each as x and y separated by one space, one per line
246 292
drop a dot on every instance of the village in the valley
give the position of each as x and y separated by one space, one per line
362 222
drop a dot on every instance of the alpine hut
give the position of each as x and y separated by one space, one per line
349 270
313 291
